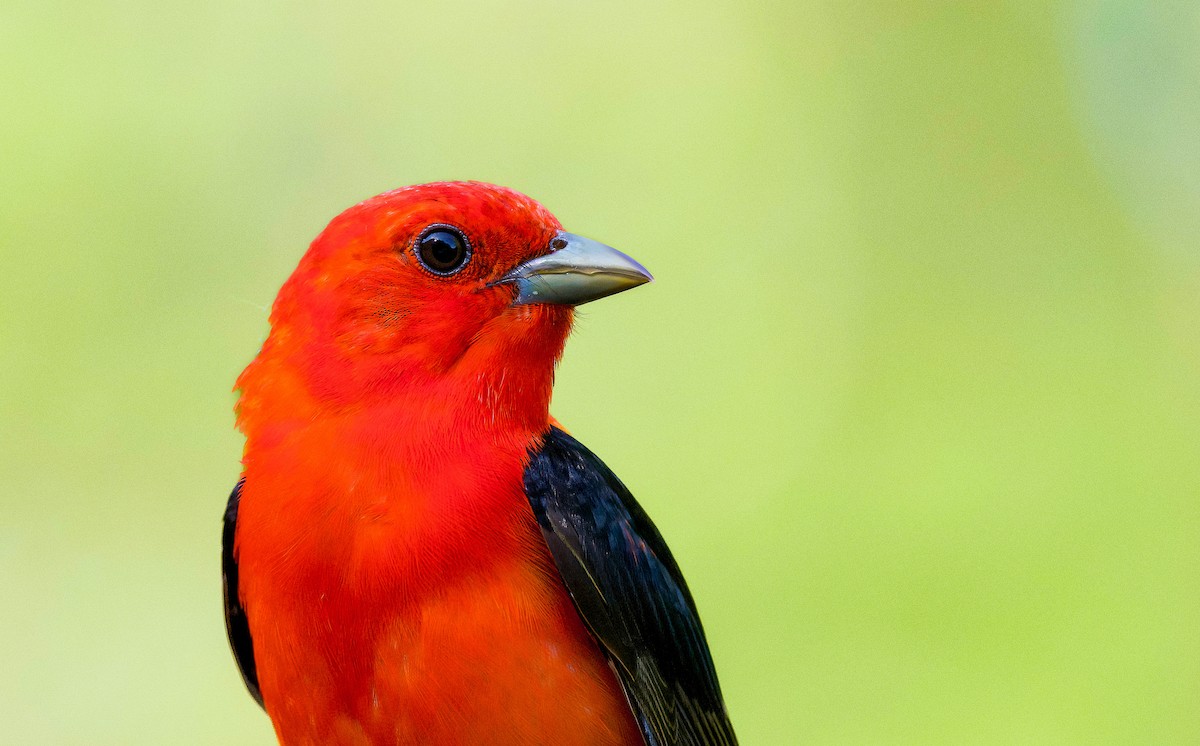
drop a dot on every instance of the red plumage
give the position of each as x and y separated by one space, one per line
397 587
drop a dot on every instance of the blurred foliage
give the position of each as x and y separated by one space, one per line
914 399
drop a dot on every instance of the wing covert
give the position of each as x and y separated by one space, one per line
236 624
629 591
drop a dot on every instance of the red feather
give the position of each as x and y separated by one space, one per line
397 586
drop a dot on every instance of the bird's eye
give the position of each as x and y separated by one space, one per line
443 250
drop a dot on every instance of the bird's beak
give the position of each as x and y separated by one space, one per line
578 270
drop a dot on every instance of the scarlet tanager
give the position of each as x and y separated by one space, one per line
416 552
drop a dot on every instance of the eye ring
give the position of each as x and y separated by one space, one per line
442 249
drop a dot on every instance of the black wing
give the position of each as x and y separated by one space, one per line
630 593
236 625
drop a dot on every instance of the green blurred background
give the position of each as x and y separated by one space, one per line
914 399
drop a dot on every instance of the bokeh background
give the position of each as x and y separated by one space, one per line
914 398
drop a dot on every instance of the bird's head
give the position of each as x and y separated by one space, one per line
455 285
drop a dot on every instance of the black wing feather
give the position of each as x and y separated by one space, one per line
236 625
630 593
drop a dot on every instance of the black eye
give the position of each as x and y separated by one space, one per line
443 249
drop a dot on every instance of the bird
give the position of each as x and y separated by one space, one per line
416 551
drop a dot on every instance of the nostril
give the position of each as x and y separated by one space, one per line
558 243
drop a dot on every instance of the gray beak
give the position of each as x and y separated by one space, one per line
578 270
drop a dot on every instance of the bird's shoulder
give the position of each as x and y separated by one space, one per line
630 592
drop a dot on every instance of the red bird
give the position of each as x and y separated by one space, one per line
416 553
